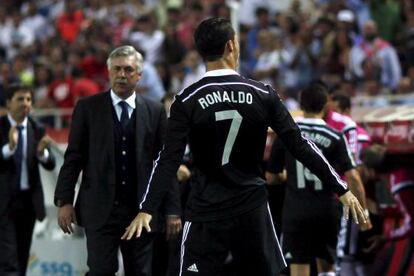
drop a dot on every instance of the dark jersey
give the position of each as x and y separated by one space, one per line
225 118
307 196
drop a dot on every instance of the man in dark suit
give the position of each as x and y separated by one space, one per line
23 146
114 140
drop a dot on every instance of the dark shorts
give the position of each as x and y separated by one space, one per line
250 240
311 240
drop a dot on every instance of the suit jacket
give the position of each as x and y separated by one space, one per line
91 150
8 168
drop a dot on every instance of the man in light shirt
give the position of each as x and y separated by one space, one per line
23 146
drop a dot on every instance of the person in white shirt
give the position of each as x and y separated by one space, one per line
23 146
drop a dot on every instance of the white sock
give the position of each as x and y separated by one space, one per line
331 273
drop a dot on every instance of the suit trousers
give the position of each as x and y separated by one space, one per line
16 230
103 244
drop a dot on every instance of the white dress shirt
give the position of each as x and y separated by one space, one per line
130 103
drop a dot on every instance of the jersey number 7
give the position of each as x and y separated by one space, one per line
236 120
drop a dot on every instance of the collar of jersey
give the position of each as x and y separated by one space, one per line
220 72
313 121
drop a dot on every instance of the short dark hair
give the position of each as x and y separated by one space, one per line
313 97
211 37
374 156
344 101
16 87
261 11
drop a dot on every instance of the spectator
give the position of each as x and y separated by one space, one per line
97 10
6 78
148 38
346 22
22 69
185 29
60 91
15 35
194 68
406 90
150 85
269 57
173 50
299 64
121 26
94 67
338 62
378 50
371 85
220 10
69 22
406 86
36 22
83 87
263 23
43 76
248 11
325 40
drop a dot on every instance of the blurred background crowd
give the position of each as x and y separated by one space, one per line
60 47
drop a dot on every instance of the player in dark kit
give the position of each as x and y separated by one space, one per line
310 218
225 118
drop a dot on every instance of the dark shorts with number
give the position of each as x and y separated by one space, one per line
250 240
310 237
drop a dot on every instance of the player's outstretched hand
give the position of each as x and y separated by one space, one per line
351 204
142 220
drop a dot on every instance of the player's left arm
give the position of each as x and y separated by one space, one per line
345 162
307 153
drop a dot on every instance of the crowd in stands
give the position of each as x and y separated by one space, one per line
60 47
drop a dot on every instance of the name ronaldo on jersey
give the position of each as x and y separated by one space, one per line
224 96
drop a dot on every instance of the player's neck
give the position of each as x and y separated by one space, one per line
226 62
313 115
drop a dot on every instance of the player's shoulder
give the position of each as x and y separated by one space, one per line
318 125
256 84
346 120
233 82
362 134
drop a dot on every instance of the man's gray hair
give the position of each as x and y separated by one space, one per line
126 51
